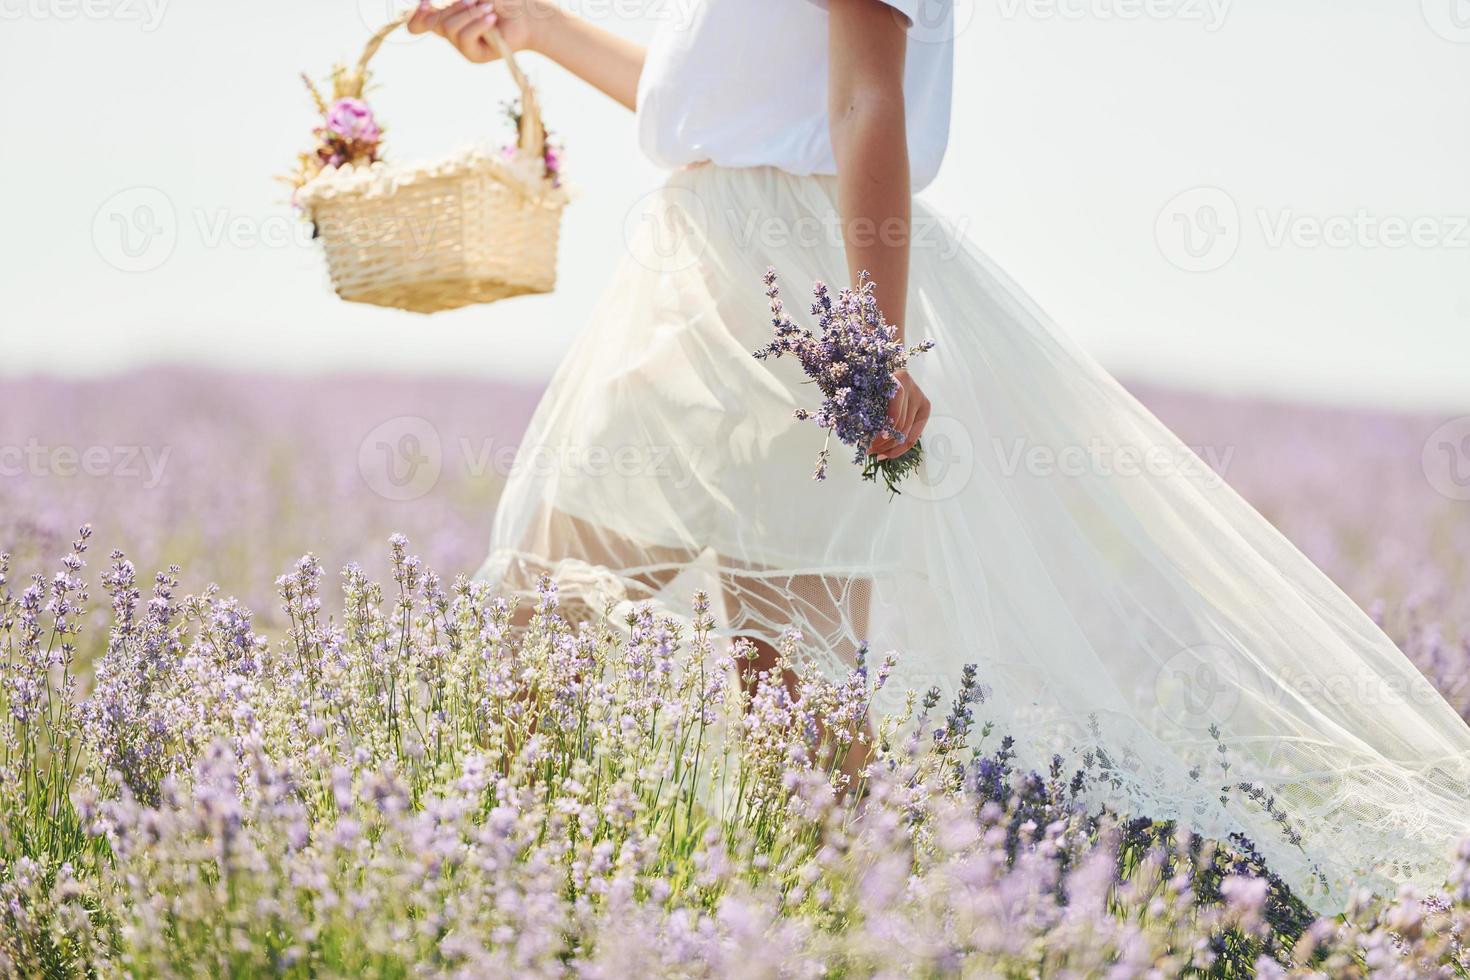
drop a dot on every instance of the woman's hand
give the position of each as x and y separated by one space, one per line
909 411
467 25
605 61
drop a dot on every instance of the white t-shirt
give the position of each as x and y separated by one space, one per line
743 83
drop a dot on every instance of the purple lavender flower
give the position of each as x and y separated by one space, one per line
853 362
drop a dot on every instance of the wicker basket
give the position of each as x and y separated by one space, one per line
473 228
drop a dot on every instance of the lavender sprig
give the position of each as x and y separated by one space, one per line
854 361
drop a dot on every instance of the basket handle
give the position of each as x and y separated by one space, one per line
532 139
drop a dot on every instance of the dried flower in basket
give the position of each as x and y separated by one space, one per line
853 362
349 133
551 153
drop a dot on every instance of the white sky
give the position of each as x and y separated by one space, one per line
1076 123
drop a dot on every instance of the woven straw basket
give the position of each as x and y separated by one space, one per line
472 228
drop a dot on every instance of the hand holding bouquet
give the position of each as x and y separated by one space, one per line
860 365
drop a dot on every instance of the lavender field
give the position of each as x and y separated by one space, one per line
236 476
301 773
233 477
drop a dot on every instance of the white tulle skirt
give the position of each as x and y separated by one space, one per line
1116 595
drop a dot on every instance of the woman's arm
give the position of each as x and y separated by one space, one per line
608 63
865 108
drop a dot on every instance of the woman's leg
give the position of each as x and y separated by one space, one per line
590 565
829 611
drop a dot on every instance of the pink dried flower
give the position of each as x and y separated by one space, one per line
352 119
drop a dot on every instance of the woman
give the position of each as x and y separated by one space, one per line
1119 599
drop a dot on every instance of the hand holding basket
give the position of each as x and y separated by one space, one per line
470 228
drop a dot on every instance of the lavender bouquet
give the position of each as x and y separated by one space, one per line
853 362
